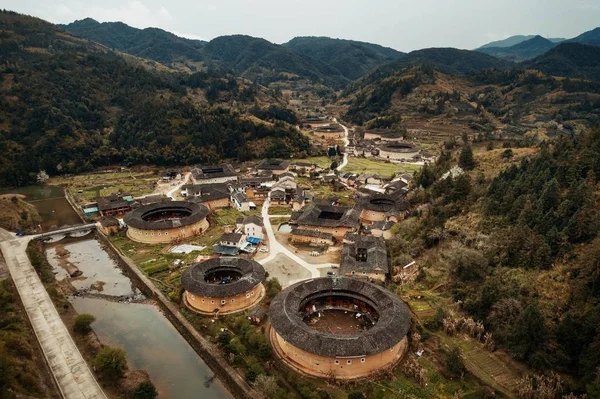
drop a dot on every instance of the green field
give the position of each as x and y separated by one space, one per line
228 216
323 162
365 165
280 210
101 184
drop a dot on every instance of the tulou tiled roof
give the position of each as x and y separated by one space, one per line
137 217
193 279
383 203
391 327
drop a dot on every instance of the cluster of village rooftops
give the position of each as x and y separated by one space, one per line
230 280
378 143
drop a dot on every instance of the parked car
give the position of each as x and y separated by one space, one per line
264 249
331 273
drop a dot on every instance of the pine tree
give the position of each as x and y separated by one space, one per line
466 160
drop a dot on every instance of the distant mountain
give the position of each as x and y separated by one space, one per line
70 105
151 43
590 37
574 60
451 60
257 58
513 40
245 56
526 50
352 59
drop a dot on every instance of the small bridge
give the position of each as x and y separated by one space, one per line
84 229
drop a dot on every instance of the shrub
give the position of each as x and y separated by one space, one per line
82 323
145 390
110 363
454 364
356 395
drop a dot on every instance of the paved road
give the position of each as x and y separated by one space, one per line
346 143
184 182
277 248
74 378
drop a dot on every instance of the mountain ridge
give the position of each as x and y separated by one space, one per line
352 58
522 51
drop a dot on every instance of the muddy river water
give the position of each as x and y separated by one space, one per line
125 320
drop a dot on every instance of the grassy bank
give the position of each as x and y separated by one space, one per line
23 369
16 214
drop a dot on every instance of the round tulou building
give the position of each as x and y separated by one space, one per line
398 151
382 207
162 222
223 285
339 327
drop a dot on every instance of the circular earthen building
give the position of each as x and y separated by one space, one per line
381 207
339 327
398 151
223 285
162 222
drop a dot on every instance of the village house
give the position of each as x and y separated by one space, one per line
273 166
109 225
335 220
213 174
397 186
213 196
251 226
241 202
382 229
232 240
303 168
312 237
115 204
364 257
258 315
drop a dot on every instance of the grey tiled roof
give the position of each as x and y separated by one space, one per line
273 164
192 280
391 327
374 254
312 233
136 218
213 171
318 214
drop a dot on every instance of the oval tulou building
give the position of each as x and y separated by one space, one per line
162 222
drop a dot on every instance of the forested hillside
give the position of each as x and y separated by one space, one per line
520 251
69 105
487 98
453 61
351 58
250 57
574 60
151 43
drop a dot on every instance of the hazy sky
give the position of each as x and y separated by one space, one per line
401 24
